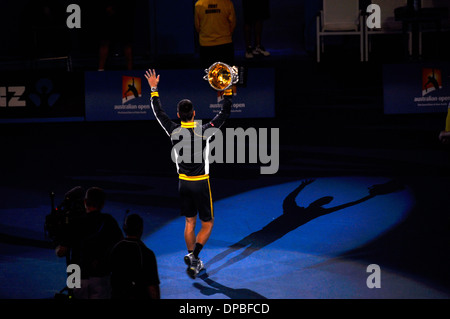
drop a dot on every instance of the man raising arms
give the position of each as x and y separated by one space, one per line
194 186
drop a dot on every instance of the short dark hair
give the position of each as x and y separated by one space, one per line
95 197
133 225
185 110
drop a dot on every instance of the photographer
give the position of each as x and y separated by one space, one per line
90 238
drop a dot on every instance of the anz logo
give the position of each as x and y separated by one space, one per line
15 96
44 95
10 96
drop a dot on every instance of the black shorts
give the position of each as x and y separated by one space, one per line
196 197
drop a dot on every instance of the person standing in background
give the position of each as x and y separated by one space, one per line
255 12
116 27
215 21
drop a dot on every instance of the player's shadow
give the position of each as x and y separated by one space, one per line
216 288
293 217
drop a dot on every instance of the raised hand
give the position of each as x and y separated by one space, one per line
151 77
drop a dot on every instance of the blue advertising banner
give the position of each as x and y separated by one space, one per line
41 96
125 95
416 88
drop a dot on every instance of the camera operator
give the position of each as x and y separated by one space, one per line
90 240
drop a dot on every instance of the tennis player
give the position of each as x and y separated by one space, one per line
194 185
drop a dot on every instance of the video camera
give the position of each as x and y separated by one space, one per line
58 221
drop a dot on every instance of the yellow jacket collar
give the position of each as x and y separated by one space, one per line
188 124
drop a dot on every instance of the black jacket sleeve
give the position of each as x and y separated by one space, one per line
164 120
223 115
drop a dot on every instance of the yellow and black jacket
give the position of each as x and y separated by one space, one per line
195 165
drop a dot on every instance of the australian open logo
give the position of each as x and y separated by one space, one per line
131 88
132 100
434 92
431 80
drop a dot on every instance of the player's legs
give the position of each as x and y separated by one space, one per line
188 210
205 232
189 233
196 196
194 243
204 203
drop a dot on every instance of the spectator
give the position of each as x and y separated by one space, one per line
215 21
116 28
255 12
